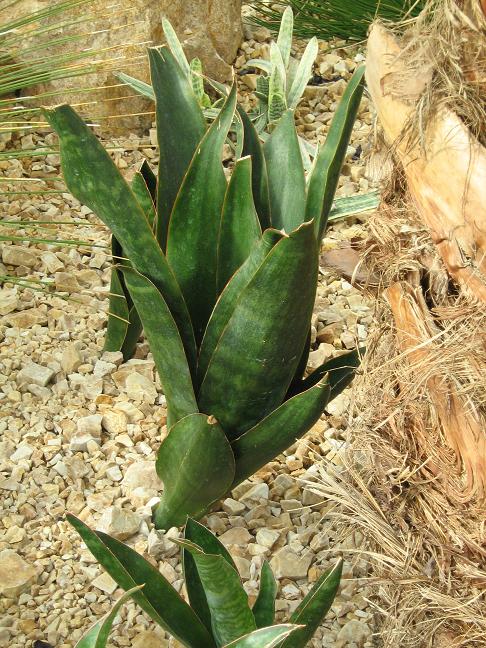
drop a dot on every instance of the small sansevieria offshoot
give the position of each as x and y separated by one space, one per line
218 613
222 277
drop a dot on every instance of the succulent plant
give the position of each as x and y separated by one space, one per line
221 275
218 613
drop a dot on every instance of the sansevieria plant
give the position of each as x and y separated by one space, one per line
218 613
221 275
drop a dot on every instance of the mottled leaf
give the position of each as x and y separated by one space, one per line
265 637
284 39
175 46
264 607
303 73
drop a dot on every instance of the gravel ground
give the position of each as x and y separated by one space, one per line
79 429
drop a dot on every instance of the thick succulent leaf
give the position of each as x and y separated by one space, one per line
166 345
286 178
314 607
199 535
228 299
192 244
252 146
277 62
231 616
175 46
324 179
265 637
264 607
302 366
157 598
284 39
303 74
258 352
180 127
278 431
197 466
144 89
277 102
150 179
143 194
349 205
98 634
340 372
260 64
240 227
92 177
118 310
197 81
133 334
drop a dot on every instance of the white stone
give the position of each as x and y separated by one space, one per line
141 474
90 425
24 451
16 575
81 442
71 359
35 374
256 493
267 537
105 583
120 523
233 507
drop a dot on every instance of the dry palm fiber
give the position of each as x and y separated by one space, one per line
418 490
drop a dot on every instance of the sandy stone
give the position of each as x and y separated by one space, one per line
17 255
9 301
237 535
105 583
355 632
141 389
16 575
114 422
120 523
71 359
149 639
287 564
141 474
27 318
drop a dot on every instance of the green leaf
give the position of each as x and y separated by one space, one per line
258 352
277 91
143 191
265 637
260 64
92 177
285 175
240 227
175 46
197 80
180 127
231 616
197 466
314 607
199 535
303 74
259 180
264 607
165 344
228 299
141 87
284 39
279 430
98 634
158 598
119 309
340 372
324 178
349 205
192 244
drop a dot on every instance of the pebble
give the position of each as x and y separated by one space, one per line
17 255
16 574
355 632
287 564
35 374
120 523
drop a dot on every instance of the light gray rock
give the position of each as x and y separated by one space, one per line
233 507
90 425
9 301
287 564
355 632
267 537
35 374
255 494
141 389
236 536
141 474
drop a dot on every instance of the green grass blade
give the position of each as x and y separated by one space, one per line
180 127
258 352
314 607
97 636
192 243
199 535
240 227
264 607
324 179
231 616
197 466
165 344
157 598
285 175
279 430
92 177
